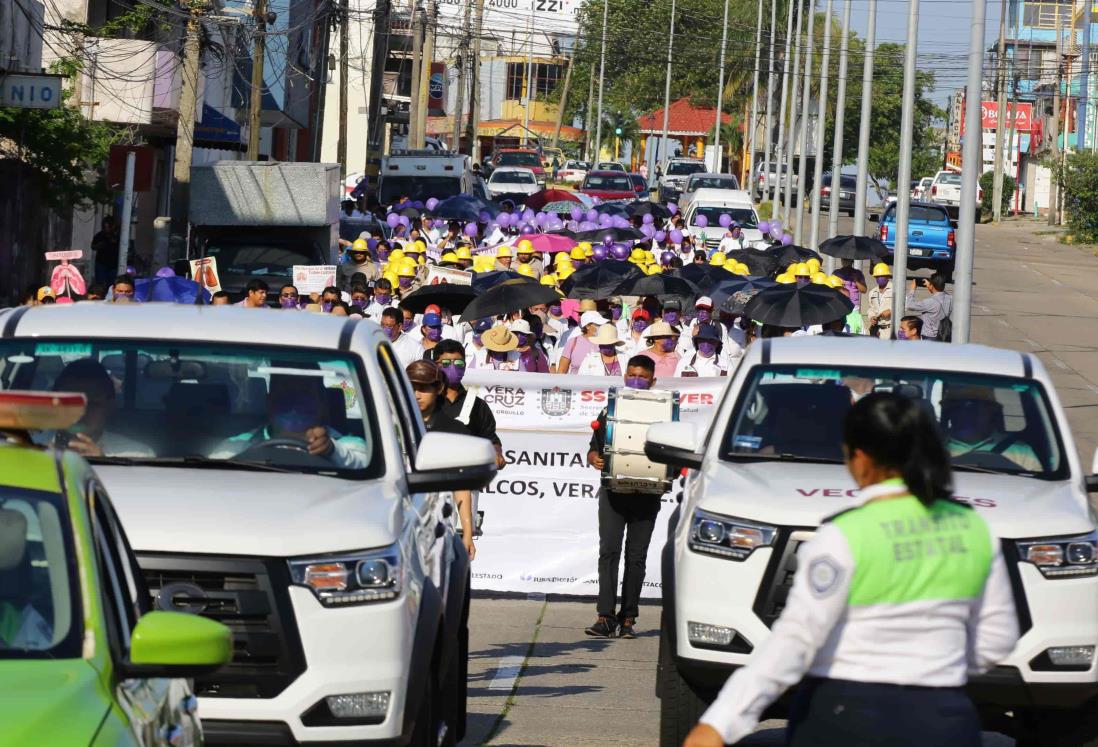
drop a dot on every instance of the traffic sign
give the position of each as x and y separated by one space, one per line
30 90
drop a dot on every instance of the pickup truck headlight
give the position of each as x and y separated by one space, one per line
735 539
353 578
1062 557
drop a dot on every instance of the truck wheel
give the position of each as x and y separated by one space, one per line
680 705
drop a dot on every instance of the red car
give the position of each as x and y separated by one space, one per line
609 185
525 157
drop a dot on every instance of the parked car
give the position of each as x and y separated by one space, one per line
640 185
525 157
712 203
295 497
86 657
767 181
931 236
513 183
922 189
946 190
768 470
674 174
875 199
705 180
608 185
573 171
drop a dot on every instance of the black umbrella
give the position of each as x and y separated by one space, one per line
615 234
854 247
562 232
664 287
482 281
446 295
611 208
704 277
410 212
798 306
730 295
647 207
465 208
600 280
760 262
509 296
787 255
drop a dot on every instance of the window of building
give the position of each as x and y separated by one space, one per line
1042 14
546 77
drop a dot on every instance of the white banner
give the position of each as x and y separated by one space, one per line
541 511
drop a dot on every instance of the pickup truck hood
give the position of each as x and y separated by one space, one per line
793 494
50 702
230 512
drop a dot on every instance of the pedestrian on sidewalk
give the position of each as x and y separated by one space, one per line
935 311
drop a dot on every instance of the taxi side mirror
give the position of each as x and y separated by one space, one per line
673 443
176 644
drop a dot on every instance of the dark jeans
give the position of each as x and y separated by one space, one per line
840 713
632 516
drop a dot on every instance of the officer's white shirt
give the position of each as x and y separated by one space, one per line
929 643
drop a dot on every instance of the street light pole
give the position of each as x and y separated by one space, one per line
258 57
782 163
720 88
661 152
787 196
802 138
903 192
769 135
602 81
1001 120
862 190
840 123
821 116
754 125
970 173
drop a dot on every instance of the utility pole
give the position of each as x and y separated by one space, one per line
1001 119
429 23
589 114
259 51
474 85
903 192
1054 134
720 90
781 169
862 190
529 92
344 74
769 135
791 140
184 131
661 154
821 117
840 123
460 61
418 14
375 119
1084 83
802 137
602 81
563 99
970 174
754 96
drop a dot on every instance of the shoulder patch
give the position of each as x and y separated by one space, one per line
824 574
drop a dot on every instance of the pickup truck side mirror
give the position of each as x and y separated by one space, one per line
450 461
674 443
874 218
953 224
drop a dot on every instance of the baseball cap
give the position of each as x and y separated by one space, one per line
521 326
707 332
672 303
705 302
432 309
431 320
641 314
482 325
592 317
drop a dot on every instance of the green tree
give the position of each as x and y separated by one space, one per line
987 184
1079 181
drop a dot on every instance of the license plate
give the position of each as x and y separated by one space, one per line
919 252
844 195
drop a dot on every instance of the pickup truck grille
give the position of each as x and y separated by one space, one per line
778 579
248 595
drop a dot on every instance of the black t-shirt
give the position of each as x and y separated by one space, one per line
482 422
442 423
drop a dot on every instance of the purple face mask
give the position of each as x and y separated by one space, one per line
453 374
882 282
382 299
608 350
703 315
671 316
615 313
667 344
408 324
639 325
637 382
405 282
392 332
803 281
288 303
577 263
434 334
555 310
901 335
706 348
359 302
327 306
523 340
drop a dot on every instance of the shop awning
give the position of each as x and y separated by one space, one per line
216 130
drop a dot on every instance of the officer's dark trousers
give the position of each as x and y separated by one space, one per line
632 516
834 713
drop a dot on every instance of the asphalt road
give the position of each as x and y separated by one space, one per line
535 679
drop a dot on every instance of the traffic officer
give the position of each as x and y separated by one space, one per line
878 302
893 604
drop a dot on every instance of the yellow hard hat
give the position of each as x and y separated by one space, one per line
562 258
650 257
548 279
834 281
785 278
717 259
819 278
396 255
738 268
464 253
881 270
578 252
449 257
525 247
801 269
654 269
411 248
504 251
407 271
564 271
813 264
526 270
585 246
391 277
637 255
588 252
484 262
360 245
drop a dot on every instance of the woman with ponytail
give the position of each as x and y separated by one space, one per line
893 604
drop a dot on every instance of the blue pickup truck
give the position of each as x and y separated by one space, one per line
931 237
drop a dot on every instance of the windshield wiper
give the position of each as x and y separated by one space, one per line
193 461
786 457
990 471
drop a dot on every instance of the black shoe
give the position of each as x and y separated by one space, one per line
626 628
604 627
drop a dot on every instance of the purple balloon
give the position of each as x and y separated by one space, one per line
528 229
605 220
725 220
764 226
528 215
576 213
592 215
775 230
608 240
471 229
371 244
392 220
418 204
620 252
676 236
588 225
504 219
661 236
405 221
432 203
647 218
701 221
600 252
673 208
647 230
786 239
666 257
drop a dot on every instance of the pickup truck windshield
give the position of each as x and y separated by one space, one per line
745 217
260 258
991 423
953 180
685 168
920 214
516 158
199 404
417 188
712 182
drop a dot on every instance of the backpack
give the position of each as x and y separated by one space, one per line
945 330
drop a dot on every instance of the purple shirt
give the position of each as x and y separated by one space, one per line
851 276
576 349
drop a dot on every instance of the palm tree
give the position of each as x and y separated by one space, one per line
621 126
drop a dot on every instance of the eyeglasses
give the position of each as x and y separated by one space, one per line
454 363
